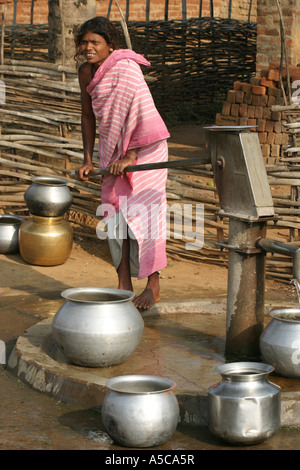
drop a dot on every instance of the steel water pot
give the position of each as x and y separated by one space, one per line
9 233
48 196
280 342
97 327
245 407
140 410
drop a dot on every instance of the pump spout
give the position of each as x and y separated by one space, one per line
293 251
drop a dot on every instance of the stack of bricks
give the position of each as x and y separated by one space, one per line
250 104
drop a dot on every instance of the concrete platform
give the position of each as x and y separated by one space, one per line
182 341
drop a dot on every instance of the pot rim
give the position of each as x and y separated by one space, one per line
239 371
278 314
67 294
55 180
14 219
167 384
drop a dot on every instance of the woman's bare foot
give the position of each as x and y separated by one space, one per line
150 295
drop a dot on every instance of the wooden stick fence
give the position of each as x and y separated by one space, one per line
41 135
33 142
189 59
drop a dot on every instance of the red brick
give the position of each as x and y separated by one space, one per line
274 65
263 100
243 121
276 115
271 100
269 126
248 98
261 125
267 113
275 150
252 122
270 138
234 109
274 92
243 110
267 83
279 101
278 139
239 96
264 72
285 138
256 100
226 120
266 150
262 137
294 70
273 75
247 87
255 80
295 77
251 111
231 96
226 108
258 113
278 127
258 90
237 86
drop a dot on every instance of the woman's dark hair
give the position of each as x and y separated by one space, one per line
98 25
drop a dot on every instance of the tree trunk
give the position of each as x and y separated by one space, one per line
64 16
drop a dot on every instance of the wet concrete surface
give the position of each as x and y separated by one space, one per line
33 420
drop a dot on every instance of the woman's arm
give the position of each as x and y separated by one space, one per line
88 124
118 167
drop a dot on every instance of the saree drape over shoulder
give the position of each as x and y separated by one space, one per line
128 119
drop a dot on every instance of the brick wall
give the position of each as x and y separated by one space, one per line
137 10
268 32
24 10
249 104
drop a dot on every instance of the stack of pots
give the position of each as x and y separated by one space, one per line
46 238
9 233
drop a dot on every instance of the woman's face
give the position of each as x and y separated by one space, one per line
95 48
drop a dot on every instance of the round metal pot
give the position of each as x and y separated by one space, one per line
97 327
9 233
244 407
280 342
48 196
45 241
140 410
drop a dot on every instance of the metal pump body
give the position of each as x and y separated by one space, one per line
245 198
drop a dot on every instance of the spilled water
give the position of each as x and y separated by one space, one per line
33 421
296 283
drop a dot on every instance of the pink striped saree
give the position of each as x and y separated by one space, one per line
127 119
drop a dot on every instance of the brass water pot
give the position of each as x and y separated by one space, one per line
45 241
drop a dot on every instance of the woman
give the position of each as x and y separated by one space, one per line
131 131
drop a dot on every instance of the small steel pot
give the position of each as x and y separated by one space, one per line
244 408
48 196
9 233
97 327
280 342
140 410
